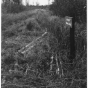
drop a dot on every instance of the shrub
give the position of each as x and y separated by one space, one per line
32 24
12 8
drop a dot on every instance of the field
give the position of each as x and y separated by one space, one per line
28 43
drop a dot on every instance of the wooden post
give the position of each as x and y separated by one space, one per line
70 22
72 42
72 38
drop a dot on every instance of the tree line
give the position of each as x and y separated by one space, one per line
72 8
13 1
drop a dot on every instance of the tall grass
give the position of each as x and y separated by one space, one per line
38 58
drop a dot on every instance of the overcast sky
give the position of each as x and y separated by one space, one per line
41 2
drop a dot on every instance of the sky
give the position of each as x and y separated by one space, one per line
40 2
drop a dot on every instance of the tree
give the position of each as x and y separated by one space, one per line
72 8
3 1
12 6
27 2
37 4
17 1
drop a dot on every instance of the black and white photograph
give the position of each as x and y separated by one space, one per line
43 43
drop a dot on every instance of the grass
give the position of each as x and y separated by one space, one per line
20 29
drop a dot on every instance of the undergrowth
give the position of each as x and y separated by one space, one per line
32 69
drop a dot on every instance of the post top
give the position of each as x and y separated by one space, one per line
68 21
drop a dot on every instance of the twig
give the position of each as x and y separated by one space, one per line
51 63
62 74
57 70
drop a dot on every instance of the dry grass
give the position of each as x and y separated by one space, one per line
16 35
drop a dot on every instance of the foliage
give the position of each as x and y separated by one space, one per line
17 1
11 7
72 8
32 69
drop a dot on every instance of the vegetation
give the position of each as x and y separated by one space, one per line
16 6
72 8
30 39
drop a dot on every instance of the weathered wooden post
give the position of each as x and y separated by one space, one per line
71 24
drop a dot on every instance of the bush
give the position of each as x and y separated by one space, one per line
12 8
32 24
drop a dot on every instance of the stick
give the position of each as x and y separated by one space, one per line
32 44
